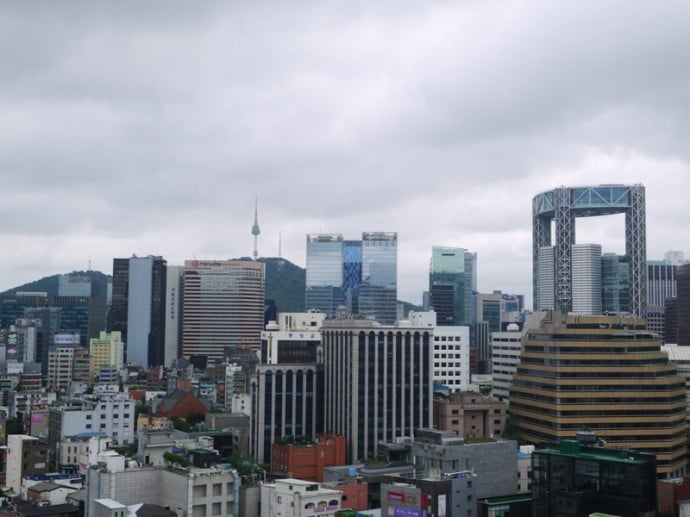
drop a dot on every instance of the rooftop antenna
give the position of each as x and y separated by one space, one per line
255 228
280 244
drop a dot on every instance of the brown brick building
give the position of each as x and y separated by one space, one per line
469 414
306 461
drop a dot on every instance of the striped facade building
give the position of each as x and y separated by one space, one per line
223 305
379 382
604 373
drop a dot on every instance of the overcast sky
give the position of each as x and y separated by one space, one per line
149 127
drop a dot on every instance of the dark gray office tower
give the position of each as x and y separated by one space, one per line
138 308
683 304
378 382
563 206
661 289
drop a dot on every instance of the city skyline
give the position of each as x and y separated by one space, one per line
151 130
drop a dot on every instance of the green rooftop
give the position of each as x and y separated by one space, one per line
574 448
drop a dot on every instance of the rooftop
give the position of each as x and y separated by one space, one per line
574 448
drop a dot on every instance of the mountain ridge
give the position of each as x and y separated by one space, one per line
285 284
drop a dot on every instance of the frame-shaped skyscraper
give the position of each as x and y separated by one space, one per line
563 205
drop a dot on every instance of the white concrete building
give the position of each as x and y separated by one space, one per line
297 498
27 401
112 416
505 355
60 367
524 464
51 488
237 397
451 351
192 492
26 456
78 452
294 321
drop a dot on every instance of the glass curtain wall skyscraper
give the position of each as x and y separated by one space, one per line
615 284
324 282
357 277
378 290
452 284
352 275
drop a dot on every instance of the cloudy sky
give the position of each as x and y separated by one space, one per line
150 127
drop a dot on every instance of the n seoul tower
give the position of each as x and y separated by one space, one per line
255 228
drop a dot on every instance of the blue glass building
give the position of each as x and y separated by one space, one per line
359 277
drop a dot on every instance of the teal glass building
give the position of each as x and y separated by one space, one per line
452 285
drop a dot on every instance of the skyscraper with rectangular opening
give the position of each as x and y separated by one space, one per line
563 206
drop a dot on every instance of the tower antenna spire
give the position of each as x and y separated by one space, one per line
255 228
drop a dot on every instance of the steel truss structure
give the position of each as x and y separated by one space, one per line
563 205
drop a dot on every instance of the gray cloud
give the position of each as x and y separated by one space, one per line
150 127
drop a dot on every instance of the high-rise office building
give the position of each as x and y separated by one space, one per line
604 373
223 304
173 313
324 275
451 351
452 284
505 355
352 275
287 388
138 308
615 284
662 290
355 277
378 382
683 305
586 278
490 309
562 206
378 290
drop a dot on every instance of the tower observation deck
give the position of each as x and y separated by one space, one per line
564 205
255 229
